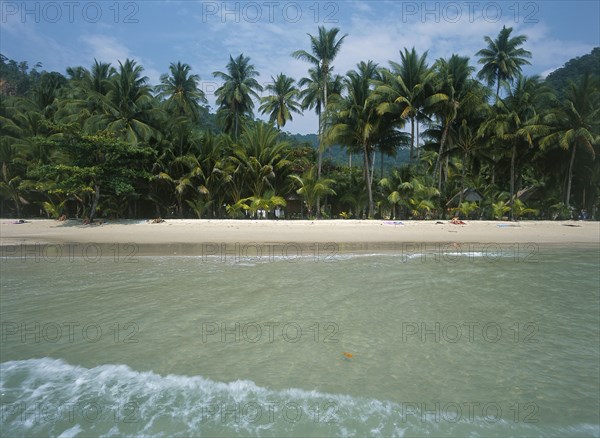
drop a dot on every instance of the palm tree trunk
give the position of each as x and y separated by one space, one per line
320 160
412 138
95 202
447 165
462 179
417 143
372 158
512 176
570 175
438 164
325 74
368 181
17 205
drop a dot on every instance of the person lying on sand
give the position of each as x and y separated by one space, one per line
456 221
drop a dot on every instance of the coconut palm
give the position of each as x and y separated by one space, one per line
234 97
404 90
312 188
127 106
453 75
575 122
503 58
261 157
86 94
282 102
324 48
516 121
395 191
181 93
357 123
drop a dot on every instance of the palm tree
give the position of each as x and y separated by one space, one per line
324 49
516 121
503 58
357 124
261 157
312 92
454 77
87 93
396 190
180 89
312 188
186 181
127 106
282 101
234 97
404 90
575 123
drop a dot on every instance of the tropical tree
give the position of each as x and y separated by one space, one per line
185 181
395 191
357 123
127 106
261 157
575 122
312 188
234 97
324 48
454 77
503 58
281 103
100 167
404 90
515 121
180 92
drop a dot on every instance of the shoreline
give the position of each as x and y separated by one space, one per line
205 236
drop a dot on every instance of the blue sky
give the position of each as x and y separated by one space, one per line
203 34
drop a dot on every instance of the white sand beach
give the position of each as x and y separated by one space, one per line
349 235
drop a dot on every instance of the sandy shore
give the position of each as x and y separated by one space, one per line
189 236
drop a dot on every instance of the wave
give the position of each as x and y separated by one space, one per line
53 398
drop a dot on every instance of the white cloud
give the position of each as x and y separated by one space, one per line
109 49
177 31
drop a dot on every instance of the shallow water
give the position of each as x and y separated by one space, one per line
453 341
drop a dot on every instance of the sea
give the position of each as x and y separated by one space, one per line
300 340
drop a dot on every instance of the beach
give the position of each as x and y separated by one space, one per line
299 328
191 235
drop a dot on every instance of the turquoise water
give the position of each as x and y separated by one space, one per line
465 342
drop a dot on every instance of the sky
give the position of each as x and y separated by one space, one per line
203 34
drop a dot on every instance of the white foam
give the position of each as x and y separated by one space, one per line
175 405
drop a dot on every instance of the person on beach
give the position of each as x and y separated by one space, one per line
456 221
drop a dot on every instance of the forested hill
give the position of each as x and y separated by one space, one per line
574 69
